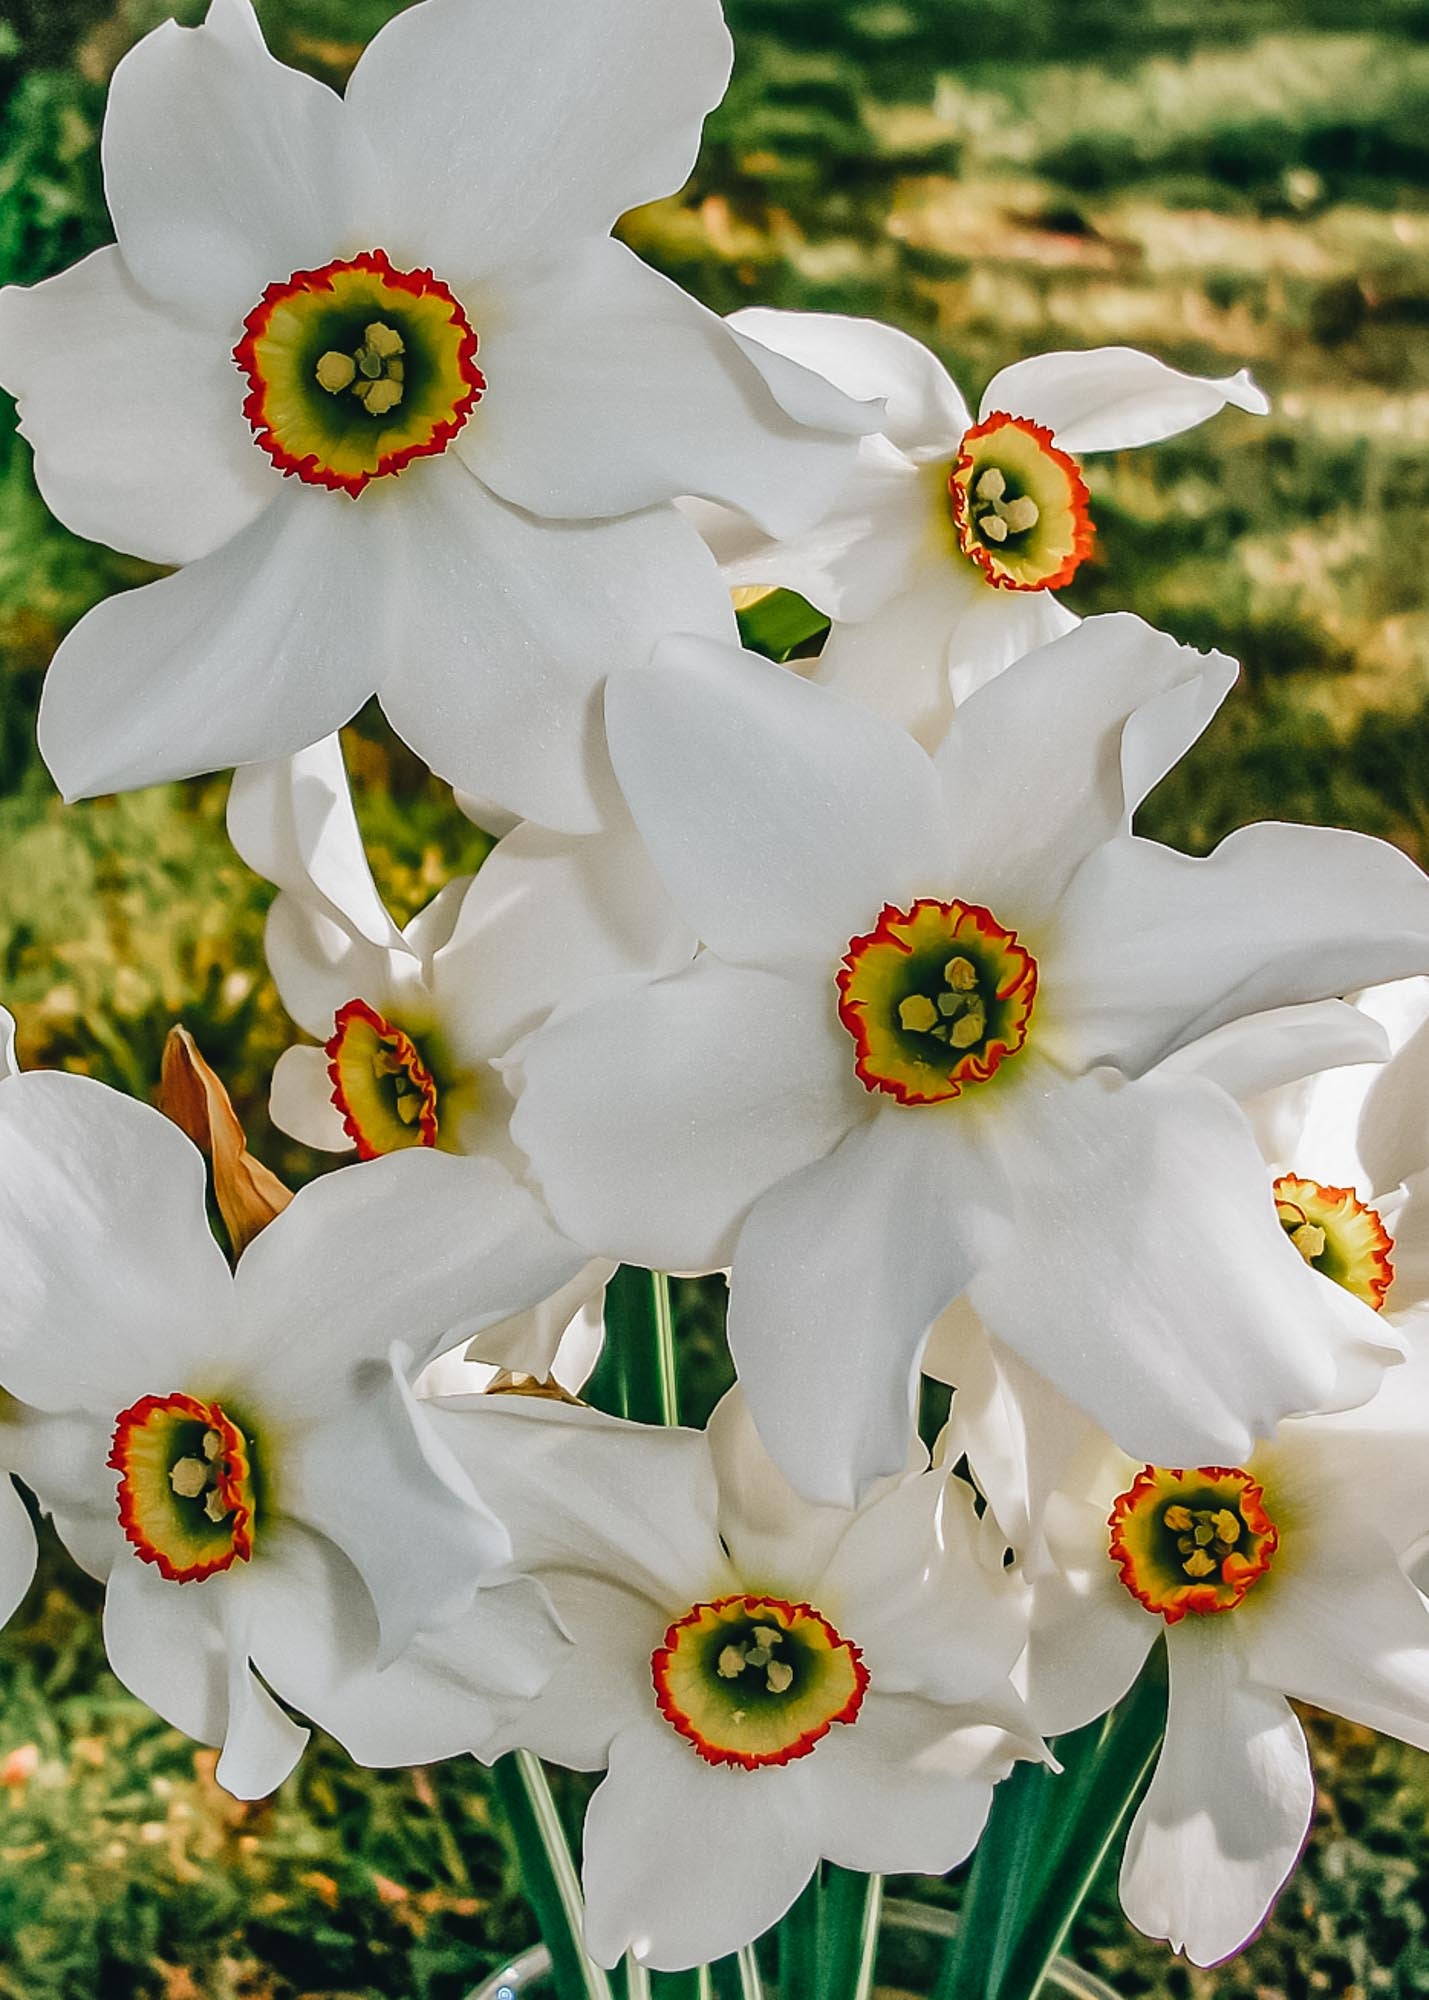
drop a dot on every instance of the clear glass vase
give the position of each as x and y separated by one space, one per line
911 1940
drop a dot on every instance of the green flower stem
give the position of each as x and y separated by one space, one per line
636 1375
1045 1841
848 1934
751 1986
694 1985
548 1873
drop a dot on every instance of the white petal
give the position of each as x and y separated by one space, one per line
1228 1810
136 417
1181 1355
1265 1052
1344 1627
583 1492
293 822
9 1062
547 912
1089 1638
261 1742
224 170
1392 1138
838 1274
503 130
316 1635
300 1101
318 964
891 1793
664 1825
1154 948
111 1283
896 660
771 1531
376 1481
999 627
602 1683
925 413
781 817
561 1337
1050 759
254 651
930 1618
725 1079
421 1245
612 389
508 627
1106 398
17 1550
166 1644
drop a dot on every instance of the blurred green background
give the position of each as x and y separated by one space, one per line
1221 181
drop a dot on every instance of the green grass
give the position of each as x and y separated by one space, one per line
1222 181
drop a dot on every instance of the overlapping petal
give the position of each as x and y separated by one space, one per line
612 389
135 415
781 818
925 415
503 131
726 1080
1109 398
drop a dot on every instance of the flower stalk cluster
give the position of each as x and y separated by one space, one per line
846 977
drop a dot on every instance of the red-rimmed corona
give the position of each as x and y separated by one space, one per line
356 369
1338 1235
385 1091
186 1491
936 997
1191 1541
1019 505
752 1681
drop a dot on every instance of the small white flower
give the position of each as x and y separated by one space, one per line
765 1682
240 1455
1281 1577
919 1053
939 557
443 467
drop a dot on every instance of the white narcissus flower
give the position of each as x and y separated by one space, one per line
1282 1577
918 1056
941 553
240 1455
765 1682
373 369
18 1552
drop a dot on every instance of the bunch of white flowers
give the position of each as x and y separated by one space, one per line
855 983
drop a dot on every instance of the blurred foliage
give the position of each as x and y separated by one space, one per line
1222 181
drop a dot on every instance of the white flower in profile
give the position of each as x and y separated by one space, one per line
923 1052
373 369
414 1025
765 1682
940 555
239 1455
18 1551
1281 1577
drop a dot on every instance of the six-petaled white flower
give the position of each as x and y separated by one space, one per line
239 1455
939 557
919 1053
764 1681
443 467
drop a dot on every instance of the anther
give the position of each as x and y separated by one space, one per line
1309 1239
188 1477
992 485
961 974
1020 515
918 1013
384 340
335 372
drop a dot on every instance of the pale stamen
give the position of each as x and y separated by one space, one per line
374 372
995 515
198 1478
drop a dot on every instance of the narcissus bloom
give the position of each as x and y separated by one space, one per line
411 1026
239 1455
765 1682
374 370
919 1055
1279 1577
940 556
